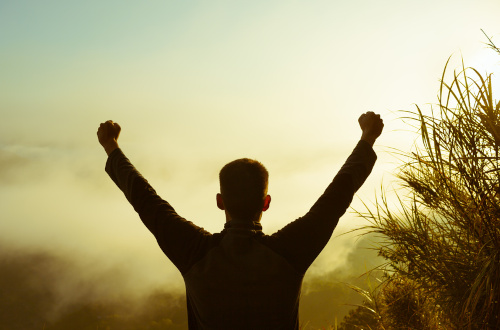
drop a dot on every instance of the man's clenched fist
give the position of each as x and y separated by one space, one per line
371 124
107 134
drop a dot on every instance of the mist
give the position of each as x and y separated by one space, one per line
42 289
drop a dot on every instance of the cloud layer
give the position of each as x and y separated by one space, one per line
44 290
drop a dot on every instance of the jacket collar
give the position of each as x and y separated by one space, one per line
242 224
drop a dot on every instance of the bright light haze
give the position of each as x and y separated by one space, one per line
196 84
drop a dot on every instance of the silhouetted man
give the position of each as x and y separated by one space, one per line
241 278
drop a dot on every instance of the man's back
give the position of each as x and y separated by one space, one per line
243 284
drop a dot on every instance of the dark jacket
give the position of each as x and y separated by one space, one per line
241 278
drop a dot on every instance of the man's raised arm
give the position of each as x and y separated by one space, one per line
175 235
302 240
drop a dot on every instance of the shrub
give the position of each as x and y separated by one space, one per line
444 238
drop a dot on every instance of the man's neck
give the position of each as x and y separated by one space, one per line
229 218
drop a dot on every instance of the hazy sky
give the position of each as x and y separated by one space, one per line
196 84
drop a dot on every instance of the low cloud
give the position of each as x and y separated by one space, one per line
41 290
13 165
45 290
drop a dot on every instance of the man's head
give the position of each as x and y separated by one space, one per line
243 189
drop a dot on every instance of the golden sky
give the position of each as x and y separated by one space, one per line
196 84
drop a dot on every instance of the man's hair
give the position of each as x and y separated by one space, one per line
243 185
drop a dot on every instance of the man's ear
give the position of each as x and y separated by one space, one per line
220 202
267 202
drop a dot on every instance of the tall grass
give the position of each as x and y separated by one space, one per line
444 238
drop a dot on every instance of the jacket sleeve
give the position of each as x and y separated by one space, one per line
177 237
301 241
